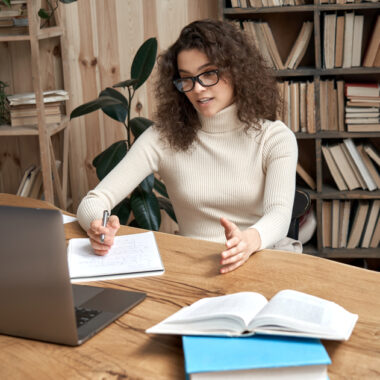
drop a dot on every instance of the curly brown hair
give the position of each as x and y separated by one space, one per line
256 94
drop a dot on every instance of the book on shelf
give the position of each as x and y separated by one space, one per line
363 127
344 225
340 104
339 41
373 46
299 47
25 180
333 168
323 99
310 107
33 120
294 106
332 106
326 224
271 44
329 40
335 223
357 224
373 216
254 357
370 90
353 167
372 153
375 240
344 167
288 313
348 38
357 41
307 178
369 181
303 106
369 165
30 98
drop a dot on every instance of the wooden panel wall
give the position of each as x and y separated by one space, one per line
102 39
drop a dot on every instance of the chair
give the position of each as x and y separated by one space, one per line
301 205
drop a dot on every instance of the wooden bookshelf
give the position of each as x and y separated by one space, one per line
52 182
283 21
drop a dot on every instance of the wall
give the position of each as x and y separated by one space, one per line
102 39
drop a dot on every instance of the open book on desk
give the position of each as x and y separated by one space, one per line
133 255
289 313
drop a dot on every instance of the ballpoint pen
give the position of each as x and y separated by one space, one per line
104 223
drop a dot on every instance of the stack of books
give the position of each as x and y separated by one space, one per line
372 55
263 38
298 105
23 109
362 107
14 19
224 345
351 167
351 224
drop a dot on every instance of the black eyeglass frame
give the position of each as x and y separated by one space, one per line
194 79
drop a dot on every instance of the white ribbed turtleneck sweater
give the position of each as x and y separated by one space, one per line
247 177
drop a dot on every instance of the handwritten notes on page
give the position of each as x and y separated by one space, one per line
130 256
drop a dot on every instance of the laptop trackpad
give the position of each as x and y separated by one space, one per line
108 299
82 293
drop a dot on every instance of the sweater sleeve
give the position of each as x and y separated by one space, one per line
280 154
141 161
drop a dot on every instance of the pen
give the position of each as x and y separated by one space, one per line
104 223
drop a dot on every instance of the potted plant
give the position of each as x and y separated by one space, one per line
143 201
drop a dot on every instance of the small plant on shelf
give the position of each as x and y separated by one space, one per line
4 105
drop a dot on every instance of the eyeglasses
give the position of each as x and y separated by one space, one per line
206 79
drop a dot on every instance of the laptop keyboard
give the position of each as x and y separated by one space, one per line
84 315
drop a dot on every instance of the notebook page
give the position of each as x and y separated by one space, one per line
130 256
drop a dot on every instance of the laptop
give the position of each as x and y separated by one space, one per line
37 299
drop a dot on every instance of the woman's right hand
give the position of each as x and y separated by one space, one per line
96 229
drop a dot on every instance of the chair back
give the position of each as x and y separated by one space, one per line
302 203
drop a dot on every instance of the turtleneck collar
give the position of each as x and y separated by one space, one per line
225 120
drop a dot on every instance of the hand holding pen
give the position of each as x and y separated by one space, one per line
102 232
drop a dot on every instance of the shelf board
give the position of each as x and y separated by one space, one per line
336 135
342 253
53 31
283 9
347 6
329 192
10 38
32 130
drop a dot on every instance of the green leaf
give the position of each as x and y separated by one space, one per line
94 105
144 61
146 209
126 83
117 112
160 187
108 159
7 2
43 14
122 210
139 125
147 184
167 206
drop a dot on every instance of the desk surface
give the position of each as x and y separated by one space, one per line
124 351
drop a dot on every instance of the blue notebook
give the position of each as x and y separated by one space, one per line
254 357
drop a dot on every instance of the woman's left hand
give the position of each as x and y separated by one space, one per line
240 245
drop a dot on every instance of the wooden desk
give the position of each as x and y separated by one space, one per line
124 351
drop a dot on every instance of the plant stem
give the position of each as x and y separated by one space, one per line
130 97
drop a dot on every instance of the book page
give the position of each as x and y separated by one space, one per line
290 310
131 255
231 312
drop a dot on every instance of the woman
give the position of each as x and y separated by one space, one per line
229 170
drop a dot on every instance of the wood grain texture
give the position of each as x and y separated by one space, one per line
123 350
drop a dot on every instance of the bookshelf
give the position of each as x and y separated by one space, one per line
52 182
285 22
